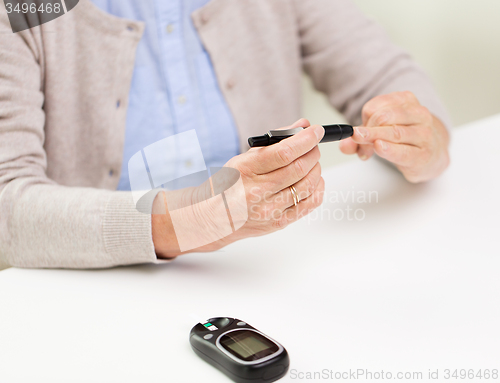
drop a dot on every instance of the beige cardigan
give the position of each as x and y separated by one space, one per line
62 135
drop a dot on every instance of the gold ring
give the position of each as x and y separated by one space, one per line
295 195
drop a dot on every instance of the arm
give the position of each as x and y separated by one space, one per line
266 174
350 59
43 224
373 82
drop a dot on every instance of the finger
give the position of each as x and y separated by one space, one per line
348 146
405 114
294 213
365 151
305 188
383 101
397 134
289 175
399 154
269 158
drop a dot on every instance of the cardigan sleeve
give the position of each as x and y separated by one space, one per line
350 58
44 224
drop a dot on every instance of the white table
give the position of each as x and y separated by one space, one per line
412 287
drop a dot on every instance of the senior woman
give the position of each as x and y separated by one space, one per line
84 93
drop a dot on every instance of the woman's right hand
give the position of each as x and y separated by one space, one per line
267 174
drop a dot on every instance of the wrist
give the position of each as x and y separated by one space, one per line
164 236
162 229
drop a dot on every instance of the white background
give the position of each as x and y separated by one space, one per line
414 286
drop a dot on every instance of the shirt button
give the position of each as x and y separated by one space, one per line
204 18
188 164
230 84
181 100
131 28
170 28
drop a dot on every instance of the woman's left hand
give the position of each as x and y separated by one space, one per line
396 127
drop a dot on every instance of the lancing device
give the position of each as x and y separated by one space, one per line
336 132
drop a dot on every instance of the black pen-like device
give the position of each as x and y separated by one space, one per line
336 132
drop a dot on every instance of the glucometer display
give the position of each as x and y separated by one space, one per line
248 345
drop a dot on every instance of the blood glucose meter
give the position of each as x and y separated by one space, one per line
240 351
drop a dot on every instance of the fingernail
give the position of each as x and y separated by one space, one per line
383 145
362 131
319 131
363 157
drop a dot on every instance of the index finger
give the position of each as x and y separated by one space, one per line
398 134
269 158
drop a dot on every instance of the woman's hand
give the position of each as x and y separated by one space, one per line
267 174
396 127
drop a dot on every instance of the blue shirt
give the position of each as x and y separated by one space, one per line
174 87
